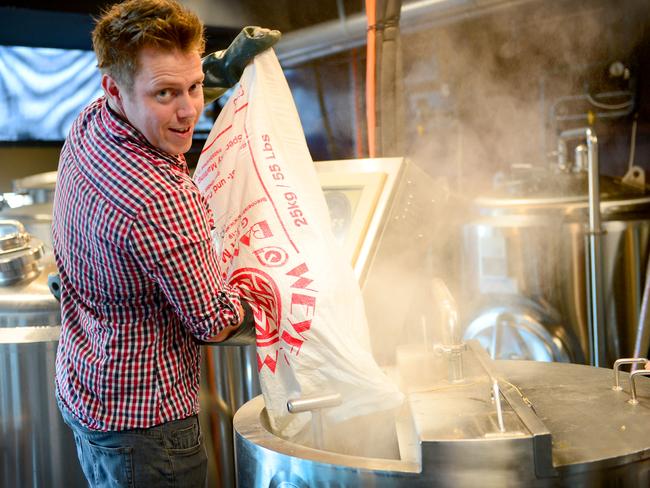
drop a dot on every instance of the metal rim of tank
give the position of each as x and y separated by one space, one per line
250 425
568 204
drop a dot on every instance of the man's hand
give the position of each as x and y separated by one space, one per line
224 68
229 329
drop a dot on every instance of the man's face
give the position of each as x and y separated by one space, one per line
166 99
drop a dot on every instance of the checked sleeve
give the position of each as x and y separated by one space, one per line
171 239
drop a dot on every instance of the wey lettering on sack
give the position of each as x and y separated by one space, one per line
292 337
303 303
291 198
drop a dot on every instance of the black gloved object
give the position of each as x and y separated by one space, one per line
224 68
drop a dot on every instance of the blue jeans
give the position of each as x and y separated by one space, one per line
167 455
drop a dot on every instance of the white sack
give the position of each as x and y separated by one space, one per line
274 238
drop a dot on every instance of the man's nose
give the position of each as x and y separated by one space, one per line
187 107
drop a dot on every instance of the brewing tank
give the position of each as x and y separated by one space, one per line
524 267
507 423
36 448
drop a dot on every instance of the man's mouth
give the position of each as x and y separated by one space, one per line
180 131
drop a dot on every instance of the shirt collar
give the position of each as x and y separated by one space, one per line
121 129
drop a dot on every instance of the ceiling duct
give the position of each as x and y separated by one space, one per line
331 37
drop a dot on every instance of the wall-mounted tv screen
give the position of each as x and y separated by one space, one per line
42 90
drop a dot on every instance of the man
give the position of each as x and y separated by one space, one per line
132 239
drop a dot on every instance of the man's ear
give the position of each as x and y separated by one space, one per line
113 92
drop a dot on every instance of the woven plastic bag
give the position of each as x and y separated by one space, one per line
273 235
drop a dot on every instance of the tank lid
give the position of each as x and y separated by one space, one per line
41 181
19 253
556 186
34 213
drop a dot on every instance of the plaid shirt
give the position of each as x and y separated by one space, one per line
139 275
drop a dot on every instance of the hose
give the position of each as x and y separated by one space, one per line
357 93
608 106
383 81
370 77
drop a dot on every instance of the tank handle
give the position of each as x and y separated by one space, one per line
617 366
12 235
633 377
315 405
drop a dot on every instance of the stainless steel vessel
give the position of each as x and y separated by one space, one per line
508 423
526 254
36 448
229 379
40 187
36 218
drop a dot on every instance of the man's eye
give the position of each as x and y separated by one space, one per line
196 86
164 94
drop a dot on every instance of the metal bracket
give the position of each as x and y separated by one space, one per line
617 366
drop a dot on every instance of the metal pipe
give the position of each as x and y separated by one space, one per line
642 339
597 352
307 404
315 405
496 394
595 233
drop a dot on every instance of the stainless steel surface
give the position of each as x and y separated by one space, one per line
12 235
29 303
519 329
36 218
529 247
36 448
450 436
19 253
229 380
39 187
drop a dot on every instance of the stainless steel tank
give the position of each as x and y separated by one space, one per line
36 448
508 423
524 270
40 187
229 379
36 218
